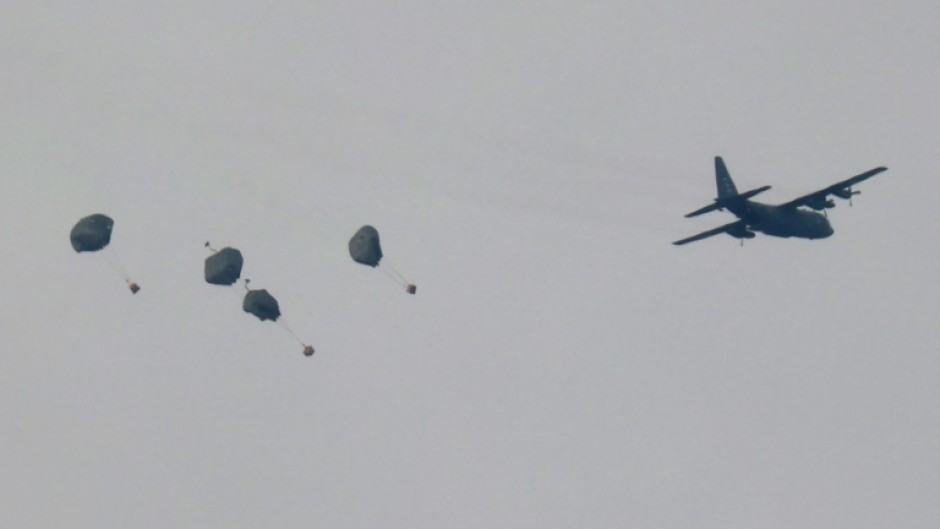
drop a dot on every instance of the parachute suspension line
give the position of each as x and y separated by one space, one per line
391 275
113 260
399 278
282 323
398 274
211 249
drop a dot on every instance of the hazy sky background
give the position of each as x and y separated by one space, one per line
527 165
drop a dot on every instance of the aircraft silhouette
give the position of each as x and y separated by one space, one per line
783 220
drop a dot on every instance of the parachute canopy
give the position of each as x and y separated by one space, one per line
262 305
92 233
224 267
364 246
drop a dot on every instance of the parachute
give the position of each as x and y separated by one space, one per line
262 305
224 267
364 248
93 233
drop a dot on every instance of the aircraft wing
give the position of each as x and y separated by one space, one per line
737 226
842 189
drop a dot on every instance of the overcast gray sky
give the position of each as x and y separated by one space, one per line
527 164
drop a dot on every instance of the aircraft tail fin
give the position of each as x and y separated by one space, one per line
727 192
726 187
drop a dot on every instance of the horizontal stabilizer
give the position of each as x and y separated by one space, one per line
752 192
706 209
725 202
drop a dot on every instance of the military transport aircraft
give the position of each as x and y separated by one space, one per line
784 220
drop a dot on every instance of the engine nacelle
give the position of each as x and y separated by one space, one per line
845 193
819 203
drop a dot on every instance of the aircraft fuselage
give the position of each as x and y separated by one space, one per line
783 222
